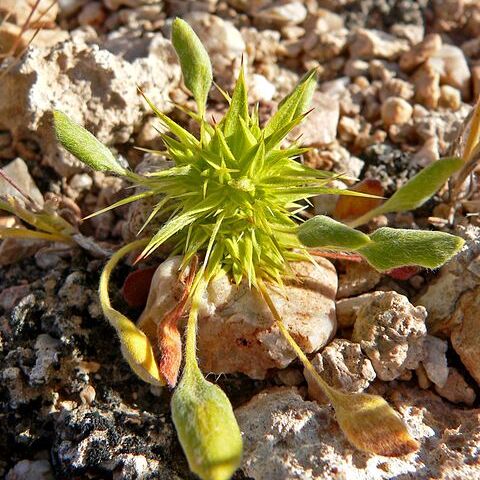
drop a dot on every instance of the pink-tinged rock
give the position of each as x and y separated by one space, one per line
237 333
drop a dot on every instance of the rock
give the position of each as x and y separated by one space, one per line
421 52
347 308
368 44
31 470
427 85
396 111
455 278
320 127
395 87
223 42
286 437
261 90
326 46
18 12
476 81
452 66
355 67
10 296
46 351
10 37
290 13
93 13
391 332
450 97
435 360
342 365
17 171
456 389
251 343
324 21
97 88
465 336
358 278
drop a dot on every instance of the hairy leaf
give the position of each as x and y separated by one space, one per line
84 145
194 60
324 232
390 248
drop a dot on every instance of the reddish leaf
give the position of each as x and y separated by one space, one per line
403 273
137 285
349 207
169 338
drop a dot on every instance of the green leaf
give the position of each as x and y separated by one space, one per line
391 248
416 191
206 427
294 104
194 60
324 232
84 145
422 186
238 108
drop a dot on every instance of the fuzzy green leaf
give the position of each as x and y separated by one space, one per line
84 145
206 427
194 60
324 232
391 248
422 186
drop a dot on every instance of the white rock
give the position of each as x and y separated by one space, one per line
46 351
320 126
288 438
370 44
18 12
396 111
435 360
261 90
453 68
391 332
421 52
251 343
31 470
347 308
291 13
95 87
342 365
357 278
17 171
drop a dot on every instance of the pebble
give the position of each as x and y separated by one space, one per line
251 342
396 111
421 52
357 278
456 389
391 332
369 44
435 360
427 85
290 13
261 90
450 98
343 366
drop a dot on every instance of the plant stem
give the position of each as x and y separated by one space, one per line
191 364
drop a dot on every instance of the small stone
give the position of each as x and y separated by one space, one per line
92 14
290 377
18 12
396 111
450 98
476 81
73 290
391 332
443 293
358 278
456 389
261 90
321 126
370 44
342 365
46 352
31 470
291 13
465 335
10 296
10 36
427 154
251 342
17 171
81 182
453 68
427 85
395 87
324 21
412 33
347 308
87 395
355 67
435 360
421 52
422 378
